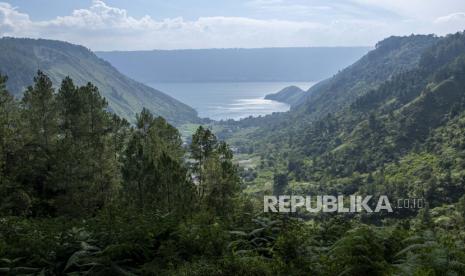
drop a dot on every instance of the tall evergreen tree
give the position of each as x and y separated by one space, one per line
222 180
87 171
8 112
202 146
16 199
40 108
216 174
153 167
40 115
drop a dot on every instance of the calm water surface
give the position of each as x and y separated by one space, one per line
229 100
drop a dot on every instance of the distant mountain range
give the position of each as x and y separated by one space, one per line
233 65
21 58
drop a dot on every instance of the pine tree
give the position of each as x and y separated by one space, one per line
16 199
87 171
8 116
202 146
280 183
39 114
217 175
221 180
154 173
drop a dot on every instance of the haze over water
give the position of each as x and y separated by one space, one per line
229 100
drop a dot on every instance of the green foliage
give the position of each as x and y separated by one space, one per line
216 176
383 126
12 195
429 254
359 252
153 169
89 194
291 95
400 135
85 192
280 182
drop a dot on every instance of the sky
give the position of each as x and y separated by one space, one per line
188 24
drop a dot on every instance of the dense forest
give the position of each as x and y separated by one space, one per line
367 130
86 192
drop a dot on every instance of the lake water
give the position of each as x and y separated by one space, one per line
229 100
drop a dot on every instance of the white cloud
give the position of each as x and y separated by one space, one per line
453 17
12 20
450 23
292 8
419 9
102 27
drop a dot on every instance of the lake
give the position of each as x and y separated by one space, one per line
229 100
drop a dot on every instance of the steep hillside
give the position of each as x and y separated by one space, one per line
21 58
390 57
290 95
402 138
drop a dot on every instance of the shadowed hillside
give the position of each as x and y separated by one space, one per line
21 58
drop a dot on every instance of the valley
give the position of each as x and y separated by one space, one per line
207 161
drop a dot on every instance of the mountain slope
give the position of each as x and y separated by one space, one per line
402 139
390 57
21 58
401 119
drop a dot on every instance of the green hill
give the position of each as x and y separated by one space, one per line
390 57
290 95
381 138
21 58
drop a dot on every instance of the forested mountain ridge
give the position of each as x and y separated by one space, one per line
401 121
403 138
21 58
390 57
